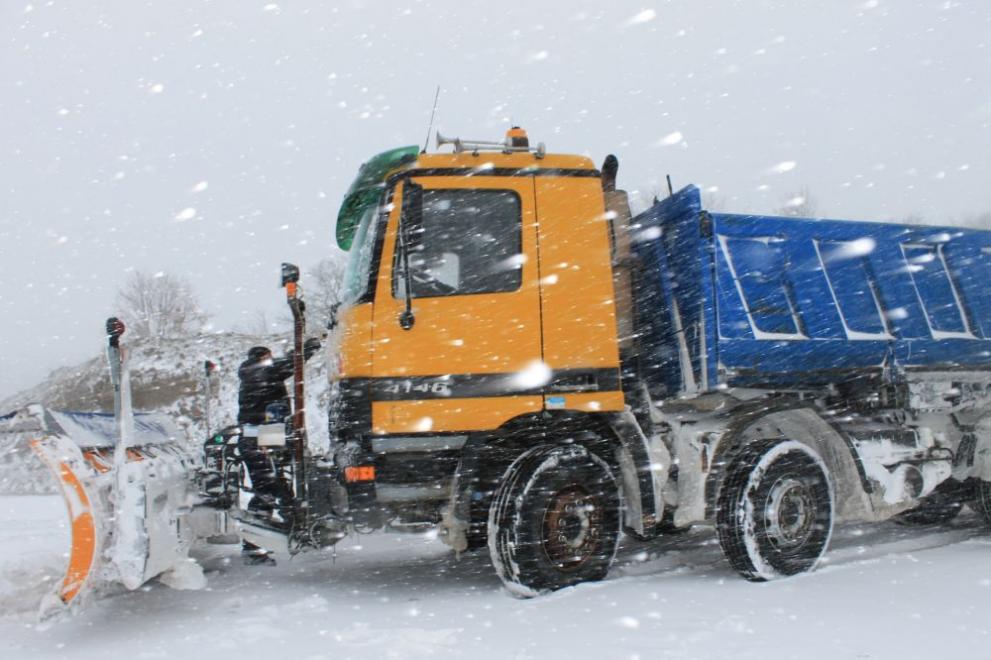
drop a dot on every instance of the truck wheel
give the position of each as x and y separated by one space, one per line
982 501
937 509
775 513
554 521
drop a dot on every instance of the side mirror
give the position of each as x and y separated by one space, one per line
290 274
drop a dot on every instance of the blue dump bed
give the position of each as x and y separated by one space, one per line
759 301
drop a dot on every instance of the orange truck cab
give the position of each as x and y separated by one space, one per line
479 319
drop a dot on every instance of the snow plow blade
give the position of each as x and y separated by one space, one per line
130 522
65 460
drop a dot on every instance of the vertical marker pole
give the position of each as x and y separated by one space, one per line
121 382
290 280
130 542
208 368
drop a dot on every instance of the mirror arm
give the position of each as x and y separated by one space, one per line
406 319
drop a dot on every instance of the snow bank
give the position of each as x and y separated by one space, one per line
883 592
34 550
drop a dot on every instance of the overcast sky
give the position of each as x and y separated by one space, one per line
214 140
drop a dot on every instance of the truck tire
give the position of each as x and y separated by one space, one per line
982 500
554 521
775 512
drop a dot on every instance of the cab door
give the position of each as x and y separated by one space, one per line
471 359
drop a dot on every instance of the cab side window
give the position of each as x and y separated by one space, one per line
470 242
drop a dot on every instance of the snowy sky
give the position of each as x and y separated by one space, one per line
213 139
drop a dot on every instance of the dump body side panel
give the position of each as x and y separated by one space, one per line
772 302
674 309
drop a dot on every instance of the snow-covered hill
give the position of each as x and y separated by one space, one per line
167 375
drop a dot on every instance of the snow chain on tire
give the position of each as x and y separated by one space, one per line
775 513
554 520
982 501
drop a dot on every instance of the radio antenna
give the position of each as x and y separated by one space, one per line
430 126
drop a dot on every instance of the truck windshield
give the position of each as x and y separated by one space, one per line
367 189
358 272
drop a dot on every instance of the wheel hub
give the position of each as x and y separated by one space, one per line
789 514
571 528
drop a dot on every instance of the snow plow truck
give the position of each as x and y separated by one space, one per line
535 372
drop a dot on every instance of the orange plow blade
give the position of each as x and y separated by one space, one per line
67 463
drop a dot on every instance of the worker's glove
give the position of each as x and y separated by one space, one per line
311 346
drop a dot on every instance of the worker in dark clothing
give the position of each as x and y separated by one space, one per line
264 399
263 381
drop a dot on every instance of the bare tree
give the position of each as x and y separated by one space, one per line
712 200
159 305
979 220
260 325
322 288
800 204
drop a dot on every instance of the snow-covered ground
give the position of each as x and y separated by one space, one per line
885 592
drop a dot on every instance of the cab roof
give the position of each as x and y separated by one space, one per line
500 160
468 159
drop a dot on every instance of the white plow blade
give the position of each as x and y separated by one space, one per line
153 498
